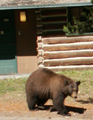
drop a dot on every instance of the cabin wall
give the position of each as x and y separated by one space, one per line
58 53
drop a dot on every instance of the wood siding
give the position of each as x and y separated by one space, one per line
50 22
59 53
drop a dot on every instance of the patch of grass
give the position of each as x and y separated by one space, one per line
17 86
10 85
75 74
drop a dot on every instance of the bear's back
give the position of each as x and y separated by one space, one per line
41 76
40 81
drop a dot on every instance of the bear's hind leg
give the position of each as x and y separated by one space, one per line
31 101
41 103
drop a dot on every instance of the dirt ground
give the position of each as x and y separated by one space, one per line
15 108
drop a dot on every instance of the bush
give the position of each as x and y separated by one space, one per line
83 25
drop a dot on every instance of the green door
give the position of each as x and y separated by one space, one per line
8 63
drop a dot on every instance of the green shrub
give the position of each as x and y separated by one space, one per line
83 25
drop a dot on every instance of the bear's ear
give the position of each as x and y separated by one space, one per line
78 82
66 82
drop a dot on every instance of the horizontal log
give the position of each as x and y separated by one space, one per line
40 60
73 67
40 52
70 46
39 45
67 54
39 39
69 61
57 40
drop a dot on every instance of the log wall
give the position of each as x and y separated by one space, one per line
59 53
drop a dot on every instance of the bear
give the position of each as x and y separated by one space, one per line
44 84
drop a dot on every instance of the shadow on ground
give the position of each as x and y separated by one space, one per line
69 109
90 100
75 109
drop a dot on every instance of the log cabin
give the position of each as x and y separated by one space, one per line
32 36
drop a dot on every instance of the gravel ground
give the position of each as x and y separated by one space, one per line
17 110
14 118
14 107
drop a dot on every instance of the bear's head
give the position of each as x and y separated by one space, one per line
72 89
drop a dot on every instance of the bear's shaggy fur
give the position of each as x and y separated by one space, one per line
44 84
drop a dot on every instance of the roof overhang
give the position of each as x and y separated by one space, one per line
47 6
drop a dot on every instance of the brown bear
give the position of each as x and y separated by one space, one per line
44 84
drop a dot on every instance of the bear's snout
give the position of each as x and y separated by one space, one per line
74 95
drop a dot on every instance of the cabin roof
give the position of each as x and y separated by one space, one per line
40 3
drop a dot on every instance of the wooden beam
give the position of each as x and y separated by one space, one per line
40 53
73 67
39 39
57 40
67 54
68 46
69 61
40 60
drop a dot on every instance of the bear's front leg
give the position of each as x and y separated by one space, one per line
60 111
53 108
59 106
